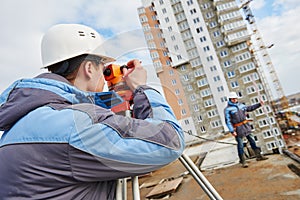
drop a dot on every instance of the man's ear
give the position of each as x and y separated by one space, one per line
87 68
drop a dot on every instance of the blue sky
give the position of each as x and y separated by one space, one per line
24 22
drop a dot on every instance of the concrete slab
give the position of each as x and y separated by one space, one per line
218 154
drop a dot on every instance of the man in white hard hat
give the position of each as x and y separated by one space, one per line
62 141
239 127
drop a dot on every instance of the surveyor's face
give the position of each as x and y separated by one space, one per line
234 100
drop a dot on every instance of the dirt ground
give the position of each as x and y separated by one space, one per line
270 179
293 143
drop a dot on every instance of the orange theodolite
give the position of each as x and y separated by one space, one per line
113 74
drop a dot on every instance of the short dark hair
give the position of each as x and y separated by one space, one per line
67 67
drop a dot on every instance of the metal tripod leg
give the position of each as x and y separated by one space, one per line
135 188
199 177
121 191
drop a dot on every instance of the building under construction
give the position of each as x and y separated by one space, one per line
203 49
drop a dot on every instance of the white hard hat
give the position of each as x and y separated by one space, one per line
232 95
64 41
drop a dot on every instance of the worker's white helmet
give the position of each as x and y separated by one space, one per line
232 95
64 41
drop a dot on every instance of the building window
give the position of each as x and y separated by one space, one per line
196 108
199 72
230 74
212 113
216 123
193 97
247 67
272 145
202 128
213 68
196 20
220 43
209 58
203 39
223 53
220 88
177 91
212 24
202 82
193 11
216 33
190 2
206 48
205 92
199 118
183 112
180 102
242 57
223 99
266 122
216 78
269 133
234 84
189 87
227 63
173 82
200 29
186 77
208 103
209 15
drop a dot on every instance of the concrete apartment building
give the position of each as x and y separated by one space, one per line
200 51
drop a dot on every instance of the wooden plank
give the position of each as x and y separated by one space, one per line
165 188
149 184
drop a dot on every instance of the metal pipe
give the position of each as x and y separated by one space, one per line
135 188
199 177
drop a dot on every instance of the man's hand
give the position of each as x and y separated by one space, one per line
261 102
135 75
234 134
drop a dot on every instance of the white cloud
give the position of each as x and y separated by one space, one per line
24 22
258 4
285 4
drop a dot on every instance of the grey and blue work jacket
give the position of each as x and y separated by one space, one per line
58 143
236 114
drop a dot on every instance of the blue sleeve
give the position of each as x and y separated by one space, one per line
228 120
252 107
145 143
